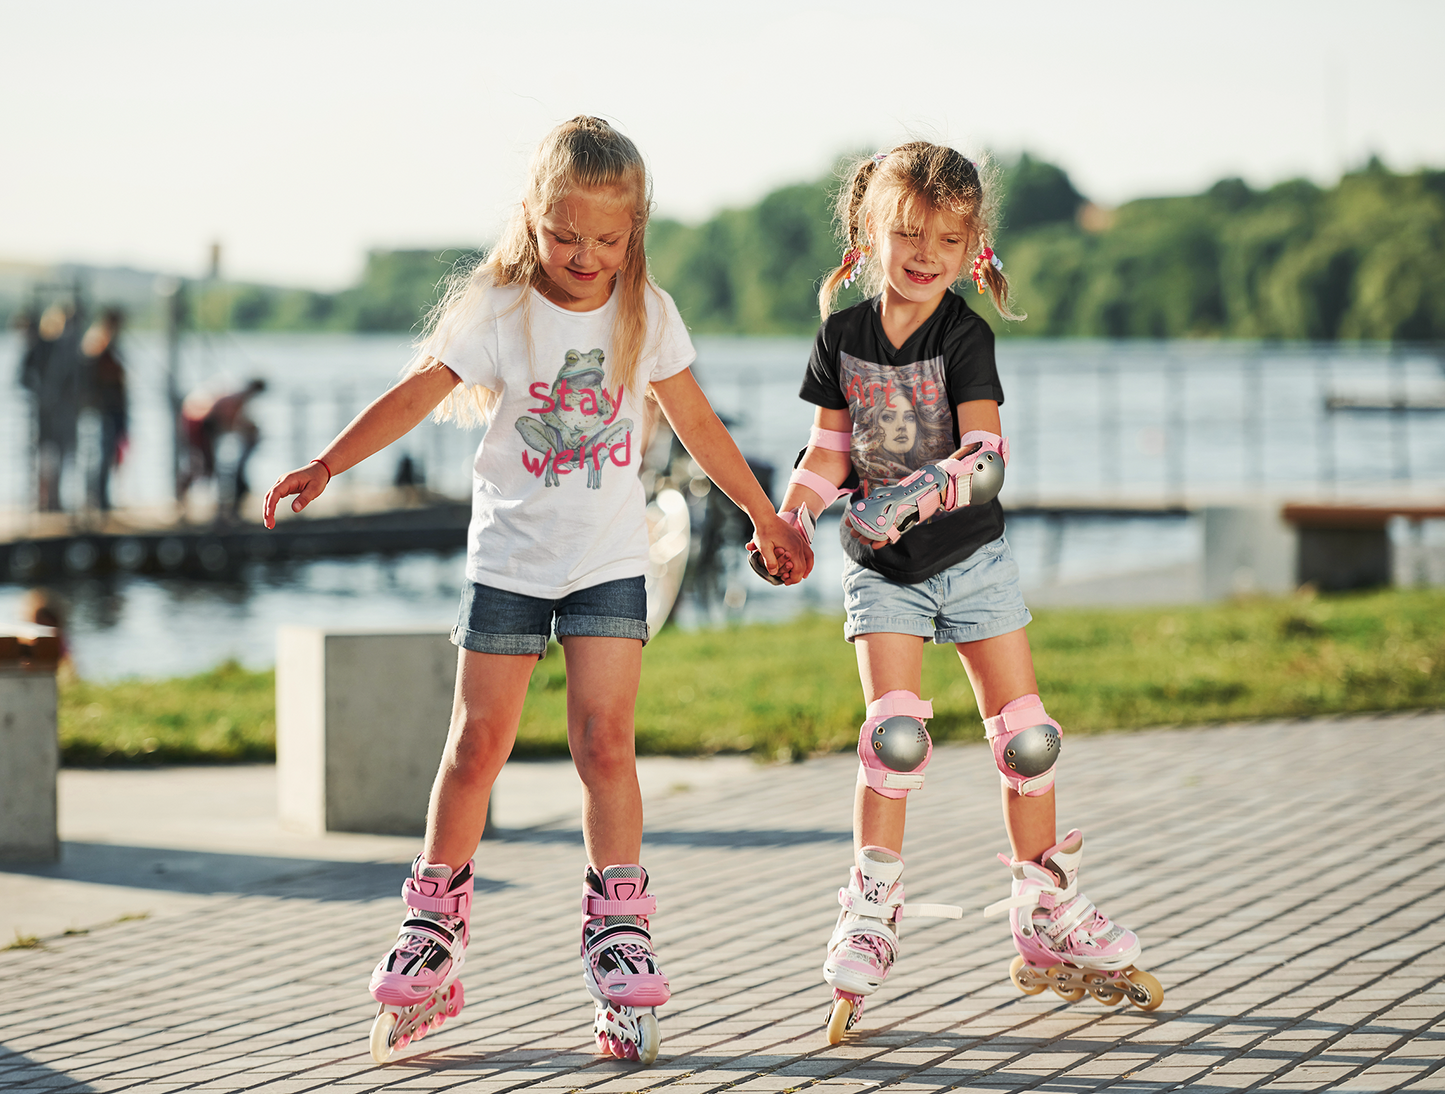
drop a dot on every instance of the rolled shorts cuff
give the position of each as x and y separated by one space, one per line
853 626
977 632
601 626
515 645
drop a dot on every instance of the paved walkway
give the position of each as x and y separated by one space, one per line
1286 879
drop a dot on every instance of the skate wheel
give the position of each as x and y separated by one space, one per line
455 999
1108 996
381 1031
838 1020
1059 980
1146 992
1024 978
651 1039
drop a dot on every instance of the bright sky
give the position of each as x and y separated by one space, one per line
300 133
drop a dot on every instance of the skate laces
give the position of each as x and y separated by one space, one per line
626 956
875 944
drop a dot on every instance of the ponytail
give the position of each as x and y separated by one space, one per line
988 275
848 213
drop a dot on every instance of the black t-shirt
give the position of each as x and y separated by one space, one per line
903 404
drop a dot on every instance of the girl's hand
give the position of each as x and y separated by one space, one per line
783 546
306 483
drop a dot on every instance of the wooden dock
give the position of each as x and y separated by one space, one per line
220 550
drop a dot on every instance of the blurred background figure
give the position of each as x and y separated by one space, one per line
206 419
105 394
52 370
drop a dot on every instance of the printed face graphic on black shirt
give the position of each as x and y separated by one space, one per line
901 417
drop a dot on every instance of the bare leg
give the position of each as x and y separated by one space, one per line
886 662
1002 669
602 679
486 710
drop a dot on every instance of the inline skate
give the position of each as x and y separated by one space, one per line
864 945
618 965
1064 942
416 984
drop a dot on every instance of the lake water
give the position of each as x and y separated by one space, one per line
1088 421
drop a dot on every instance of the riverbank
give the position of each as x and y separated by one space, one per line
788 690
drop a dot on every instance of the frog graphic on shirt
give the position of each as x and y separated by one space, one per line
574 423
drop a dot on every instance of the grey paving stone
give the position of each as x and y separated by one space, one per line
1285 892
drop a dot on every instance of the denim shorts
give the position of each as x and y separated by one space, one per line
496 621
971 600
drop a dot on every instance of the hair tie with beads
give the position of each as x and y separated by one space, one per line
986 255
853 262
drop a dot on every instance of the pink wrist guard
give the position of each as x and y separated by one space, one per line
800 518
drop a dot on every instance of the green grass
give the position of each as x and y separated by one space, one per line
225 715
785 691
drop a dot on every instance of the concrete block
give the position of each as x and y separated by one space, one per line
361 719
31 751
1248 549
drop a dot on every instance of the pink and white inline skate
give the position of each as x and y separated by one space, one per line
618 965
1064 942
864 945
416 982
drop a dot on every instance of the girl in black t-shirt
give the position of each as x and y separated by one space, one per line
902 382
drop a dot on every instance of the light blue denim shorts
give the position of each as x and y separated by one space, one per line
972 600
497 621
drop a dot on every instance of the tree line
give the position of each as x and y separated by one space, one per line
1364 259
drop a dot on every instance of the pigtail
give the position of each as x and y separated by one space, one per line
848 214
988 276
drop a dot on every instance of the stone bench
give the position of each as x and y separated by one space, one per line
28 744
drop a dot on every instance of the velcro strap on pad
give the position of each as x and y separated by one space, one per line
900 702
641 905
991 442
835 440
1021 718
829 492
902 780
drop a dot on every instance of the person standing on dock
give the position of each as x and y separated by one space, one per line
52 370
106 395
556 341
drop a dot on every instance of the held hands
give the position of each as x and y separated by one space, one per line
781 547
306 483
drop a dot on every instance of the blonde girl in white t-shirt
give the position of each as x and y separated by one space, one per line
553 342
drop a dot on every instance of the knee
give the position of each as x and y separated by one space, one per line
477 747
603 747
894 747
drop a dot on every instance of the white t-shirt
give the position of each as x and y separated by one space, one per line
557 504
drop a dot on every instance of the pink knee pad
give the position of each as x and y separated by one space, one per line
893 745
1025 744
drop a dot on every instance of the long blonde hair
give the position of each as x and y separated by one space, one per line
584 153
899 187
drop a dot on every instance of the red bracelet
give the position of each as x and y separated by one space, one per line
329 475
